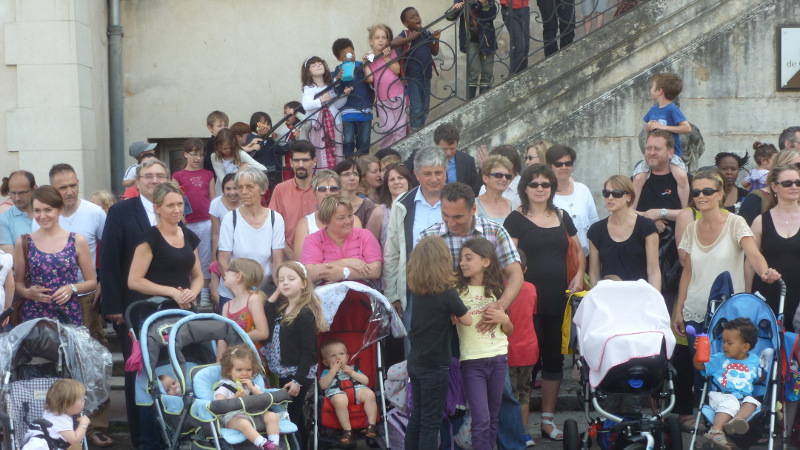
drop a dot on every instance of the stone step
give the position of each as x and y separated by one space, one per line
118 367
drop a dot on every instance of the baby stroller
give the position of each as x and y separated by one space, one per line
32 357
182 344
724 306
624 358
360 317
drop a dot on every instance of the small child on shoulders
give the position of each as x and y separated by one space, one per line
765 157
665 115
335 358
735 371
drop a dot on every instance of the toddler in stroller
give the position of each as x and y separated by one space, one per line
735 370
55 429
238 365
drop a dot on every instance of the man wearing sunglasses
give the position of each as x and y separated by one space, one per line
460 165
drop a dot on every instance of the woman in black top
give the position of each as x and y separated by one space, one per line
624 244
777 233
165 262
729 165
538 228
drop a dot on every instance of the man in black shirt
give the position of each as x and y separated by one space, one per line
659 201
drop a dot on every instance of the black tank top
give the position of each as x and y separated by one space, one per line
783 255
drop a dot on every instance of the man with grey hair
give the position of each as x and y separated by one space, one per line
125 223
412 212
789 138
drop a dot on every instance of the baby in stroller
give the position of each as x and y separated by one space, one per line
735 370
239 364
340 376
65 398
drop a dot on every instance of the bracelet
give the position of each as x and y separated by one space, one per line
84 426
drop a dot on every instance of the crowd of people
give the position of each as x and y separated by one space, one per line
253 222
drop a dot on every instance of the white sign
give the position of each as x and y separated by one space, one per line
790 58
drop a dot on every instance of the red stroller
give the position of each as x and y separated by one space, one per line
360 317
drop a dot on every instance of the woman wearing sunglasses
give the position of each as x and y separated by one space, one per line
540 229
758 201
777 233
715 243
573 197
497 172
325 184
624 244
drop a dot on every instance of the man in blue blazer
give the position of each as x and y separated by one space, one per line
125 224
460 165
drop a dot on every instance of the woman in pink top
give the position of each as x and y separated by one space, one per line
339 251
391 108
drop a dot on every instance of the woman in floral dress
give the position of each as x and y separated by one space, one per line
59 263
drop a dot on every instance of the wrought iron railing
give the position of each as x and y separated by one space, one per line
550 24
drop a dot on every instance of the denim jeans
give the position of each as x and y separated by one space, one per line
481 67
356 137
558 24
518 23
483 384
419 95
510 430
429 386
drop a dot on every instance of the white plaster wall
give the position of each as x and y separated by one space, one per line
186 58
8 90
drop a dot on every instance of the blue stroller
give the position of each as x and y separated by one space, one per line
723 307
182 344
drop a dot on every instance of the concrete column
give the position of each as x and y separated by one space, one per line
50 43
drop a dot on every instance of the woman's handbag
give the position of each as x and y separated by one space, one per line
16 316
573 263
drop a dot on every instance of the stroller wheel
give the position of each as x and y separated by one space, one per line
572 439
674 437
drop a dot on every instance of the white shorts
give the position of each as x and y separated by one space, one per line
727 403
203 231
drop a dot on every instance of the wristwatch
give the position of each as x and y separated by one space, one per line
346 273
664 213
74 289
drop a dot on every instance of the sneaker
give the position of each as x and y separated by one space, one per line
205 299
269 446
528 440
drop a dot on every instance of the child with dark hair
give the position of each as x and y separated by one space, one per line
357 111
735 370
325 129
287 132
419 48
477 38
216 121
764 157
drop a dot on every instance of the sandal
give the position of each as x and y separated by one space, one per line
347 437
737 426
717 438
372 431
553 435
101 440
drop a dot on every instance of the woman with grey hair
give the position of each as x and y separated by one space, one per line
340 251
325 184
166 262
252 231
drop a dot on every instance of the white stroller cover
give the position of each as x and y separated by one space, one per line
619 321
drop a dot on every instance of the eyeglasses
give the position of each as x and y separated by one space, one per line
327 188
535 185
499 175
150 176
197 155
530 158
560 164
18 193
616 193
789 183
705 191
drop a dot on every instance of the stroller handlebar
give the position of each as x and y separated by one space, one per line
152 303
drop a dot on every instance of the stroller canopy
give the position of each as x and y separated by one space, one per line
619 321
70 349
